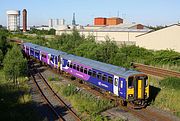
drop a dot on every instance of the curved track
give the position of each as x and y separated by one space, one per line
156 71
56 104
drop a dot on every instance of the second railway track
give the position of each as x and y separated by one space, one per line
62 111
156 71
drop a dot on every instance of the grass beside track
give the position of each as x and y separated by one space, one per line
15 101
88 106
167 94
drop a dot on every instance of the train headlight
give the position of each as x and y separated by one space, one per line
130 96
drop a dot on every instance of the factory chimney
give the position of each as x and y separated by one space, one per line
24 20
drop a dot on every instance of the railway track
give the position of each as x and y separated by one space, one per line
155 71
59 108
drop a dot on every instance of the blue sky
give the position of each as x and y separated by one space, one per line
148 12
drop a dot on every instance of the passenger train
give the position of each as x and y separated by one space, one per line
130 85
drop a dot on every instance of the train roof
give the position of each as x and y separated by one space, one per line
45 49
112 69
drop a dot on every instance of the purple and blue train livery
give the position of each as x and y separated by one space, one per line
130 85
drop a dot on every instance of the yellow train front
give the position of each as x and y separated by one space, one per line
137 90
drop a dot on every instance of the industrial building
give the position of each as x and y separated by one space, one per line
107 21
122 33
13 20
166 38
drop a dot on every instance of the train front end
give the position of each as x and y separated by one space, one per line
138 90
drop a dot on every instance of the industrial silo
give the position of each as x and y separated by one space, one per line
13 20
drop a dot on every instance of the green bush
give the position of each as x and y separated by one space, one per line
170 82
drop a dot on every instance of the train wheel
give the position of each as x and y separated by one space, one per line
123 103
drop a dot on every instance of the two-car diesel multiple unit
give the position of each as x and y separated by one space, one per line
131 86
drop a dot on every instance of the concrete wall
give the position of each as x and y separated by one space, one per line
118 36
167 38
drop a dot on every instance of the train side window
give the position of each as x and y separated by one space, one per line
81 69
71 65
56 60
77 67
74 66
110 79
90 72
51 58
99 76
104 77
85 70
116 82
43 55
130 82
94 74
68 64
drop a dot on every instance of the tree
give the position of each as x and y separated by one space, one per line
3 44
1 57
14 64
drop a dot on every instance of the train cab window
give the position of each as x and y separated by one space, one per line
104 77
99 76
90 72
71 65
85 70
110 79
94 74
74 66
68 65
81 69
146 81
77 68
130 82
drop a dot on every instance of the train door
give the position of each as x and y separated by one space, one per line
59 63
122 88
139 88
115 85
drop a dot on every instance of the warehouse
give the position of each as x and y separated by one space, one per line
166 38
122 33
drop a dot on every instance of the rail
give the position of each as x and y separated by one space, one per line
155 71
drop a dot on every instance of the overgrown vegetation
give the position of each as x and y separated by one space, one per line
171 83
88 105
15 101
167 97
